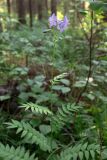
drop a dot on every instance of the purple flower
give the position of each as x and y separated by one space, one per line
62 25
53 20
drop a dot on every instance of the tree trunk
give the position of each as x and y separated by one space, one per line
30 14
39 6
45 9
9 7
46 4
53 6
21 11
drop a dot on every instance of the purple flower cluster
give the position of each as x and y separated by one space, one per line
60 24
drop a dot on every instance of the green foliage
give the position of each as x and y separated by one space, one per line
98 6
36 108
51 125
64 115
80 151
61 83
11 153
4 97
32 136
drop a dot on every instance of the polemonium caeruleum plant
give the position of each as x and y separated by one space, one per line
61 25
53 20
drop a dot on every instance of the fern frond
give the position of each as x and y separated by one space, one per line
31 135
12 153
36 108
81 151
64 116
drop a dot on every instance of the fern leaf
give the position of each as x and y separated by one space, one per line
36 108
81 151
31 135
64 116
11 153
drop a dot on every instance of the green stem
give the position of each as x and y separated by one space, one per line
55 38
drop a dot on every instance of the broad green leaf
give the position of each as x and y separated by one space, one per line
80 84
75 156
87 155
65 81
81 155
65 89
4 97
92 154
90 96
45 129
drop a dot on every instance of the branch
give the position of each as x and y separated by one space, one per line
90 58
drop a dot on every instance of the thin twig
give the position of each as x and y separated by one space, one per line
91 47
90 59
